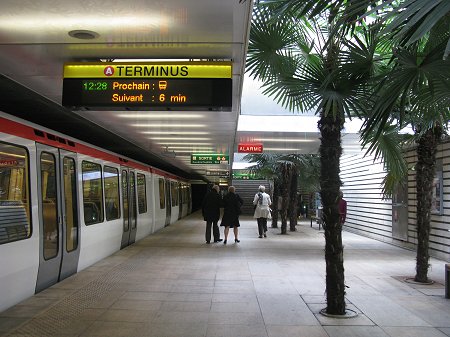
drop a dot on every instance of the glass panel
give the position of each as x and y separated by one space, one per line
133 200
112 201
168 201
49 205
14 194
70 203
162 195
126 226
174 194
142 194
92 192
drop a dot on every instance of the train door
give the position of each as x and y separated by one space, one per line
58 215
129 207
168 203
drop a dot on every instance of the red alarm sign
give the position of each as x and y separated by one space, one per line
250 148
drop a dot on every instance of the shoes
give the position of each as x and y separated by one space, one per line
207 242
265 235
260 236
236 240
218 240
224 242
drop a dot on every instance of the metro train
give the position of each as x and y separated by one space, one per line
66 204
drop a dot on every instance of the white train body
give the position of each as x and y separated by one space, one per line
65 205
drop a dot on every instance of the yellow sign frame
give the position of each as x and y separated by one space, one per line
219 69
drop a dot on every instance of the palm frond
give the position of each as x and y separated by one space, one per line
412 20
388 148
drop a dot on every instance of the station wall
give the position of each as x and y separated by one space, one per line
370 215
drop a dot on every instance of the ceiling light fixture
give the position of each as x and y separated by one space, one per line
164 116
175 132
290 140
182 143
191 148
179 138
154 60
167 125
83 34
280 149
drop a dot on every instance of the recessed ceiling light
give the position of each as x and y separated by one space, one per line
175 132
84 34
179 138
280 149
170 125
158 115
178 143
290 140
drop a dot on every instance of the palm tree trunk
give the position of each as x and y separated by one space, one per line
276 194
425 171
330 152
293 203
286 174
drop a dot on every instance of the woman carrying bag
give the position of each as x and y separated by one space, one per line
262 211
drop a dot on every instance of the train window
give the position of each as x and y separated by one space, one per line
49 205
142 194
188 194
92 192
14 194
182 193
71 203
162 194
112 201
174 188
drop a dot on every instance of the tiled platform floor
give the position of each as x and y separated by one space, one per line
172 284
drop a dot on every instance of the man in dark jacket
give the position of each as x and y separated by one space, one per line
342 204
211 213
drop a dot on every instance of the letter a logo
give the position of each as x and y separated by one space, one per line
109 71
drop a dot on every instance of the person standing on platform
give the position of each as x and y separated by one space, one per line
262 211
211 213
232 209
342 204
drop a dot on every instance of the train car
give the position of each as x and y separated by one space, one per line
65 205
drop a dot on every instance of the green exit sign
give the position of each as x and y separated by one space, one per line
210 158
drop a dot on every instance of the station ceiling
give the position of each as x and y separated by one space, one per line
38 37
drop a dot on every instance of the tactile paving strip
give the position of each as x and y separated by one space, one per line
56 319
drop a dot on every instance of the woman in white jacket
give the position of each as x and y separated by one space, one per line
262 210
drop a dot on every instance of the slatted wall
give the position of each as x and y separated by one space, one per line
247 190
369 215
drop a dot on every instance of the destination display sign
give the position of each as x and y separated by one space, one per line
210 159
142 86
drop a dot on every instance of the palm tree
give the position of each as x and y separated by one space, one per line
328 73
416 91
284 170
412 20
293 200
